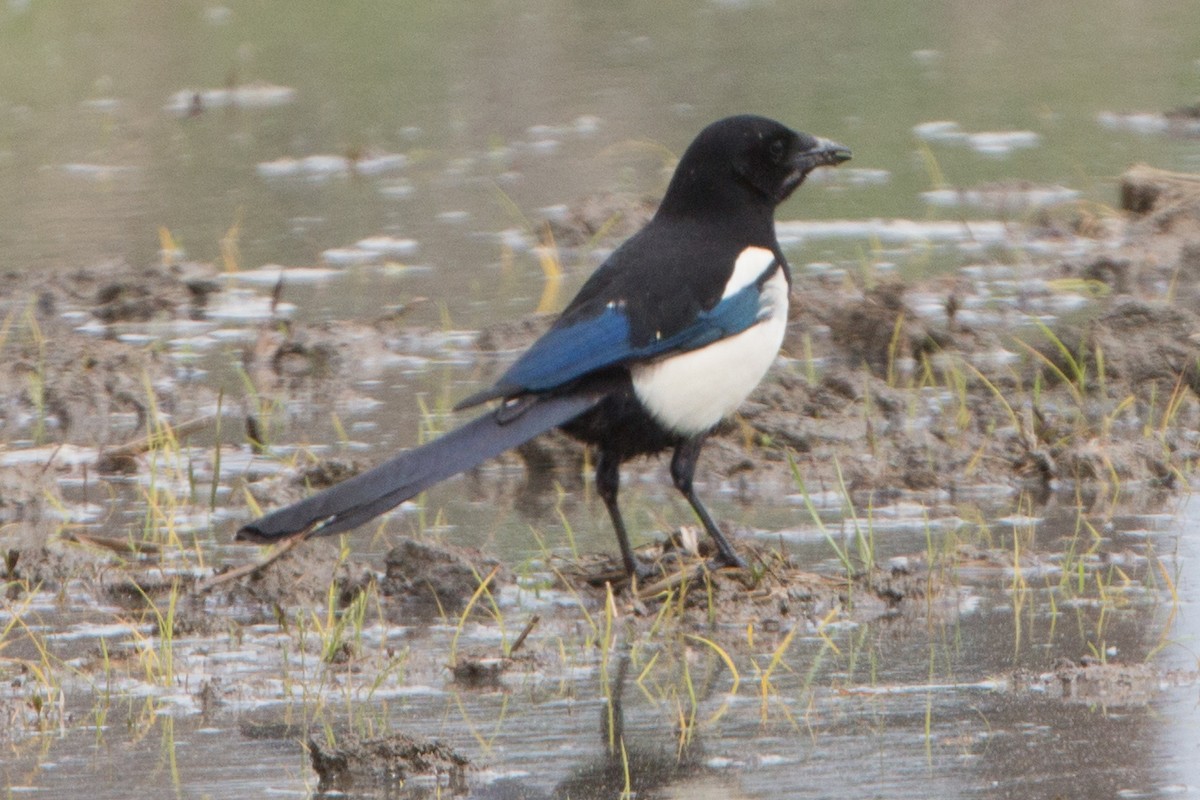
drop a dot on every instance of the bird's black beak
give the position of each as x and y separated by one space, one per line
823 154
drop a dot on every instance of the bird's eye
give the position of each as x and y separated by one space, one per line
776 150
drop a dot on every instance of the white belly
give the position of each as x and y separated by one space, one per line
692 392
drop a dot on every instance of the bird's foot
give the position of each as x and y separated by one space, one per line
728 559
641 572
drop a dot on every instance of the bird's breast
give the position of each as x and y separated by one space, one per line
690 392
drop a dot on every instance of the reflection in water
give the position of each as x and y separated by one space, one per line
547 102
928 701
632 768
670 765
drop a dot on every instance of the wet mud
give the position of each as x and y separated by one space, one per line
889 392
385 764
879 395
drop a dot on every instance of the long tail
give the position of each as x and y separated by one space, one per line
369 494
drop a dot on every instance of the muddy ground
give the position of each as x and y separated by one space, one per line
891 391
878 398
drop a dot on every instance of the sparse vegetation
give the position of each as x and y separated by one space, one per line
884 436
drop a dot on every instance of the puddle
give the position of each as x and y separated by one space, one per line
258 95
322 167
1005 199
969 693
990 143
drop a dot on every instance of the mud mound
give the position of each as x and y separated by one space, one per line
877 399
431 580
774 591
384 764
84 385
299 574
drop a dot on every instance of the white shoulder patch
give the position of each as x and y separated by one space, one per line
750 265
691 392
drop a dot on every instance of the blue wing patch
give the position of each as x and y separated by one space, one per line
565 354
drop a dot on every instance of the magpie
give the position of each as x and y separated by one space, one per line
665 339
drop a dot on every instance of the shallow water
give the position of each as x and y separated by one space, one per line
959 698
400 151
467 124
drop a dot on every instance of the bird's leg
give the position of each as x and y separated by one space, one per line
683 468
608 481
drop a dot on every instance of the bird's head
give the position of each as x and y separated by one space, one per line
746 161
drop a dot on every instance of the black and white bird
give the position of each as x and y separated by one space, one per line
663 341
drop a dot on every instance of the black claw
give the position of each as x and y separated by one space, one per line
730 559
643 572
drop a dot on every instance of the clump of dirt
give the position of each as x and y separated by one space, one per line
1161 194
875 329
142 301
308 477
1137 343
774 592
142 579
480 672
427 580
122 293
485 671
384 764
37 558
300 578
62 384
